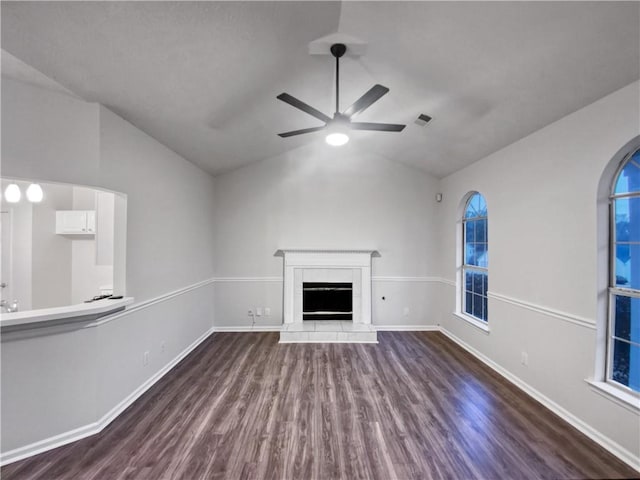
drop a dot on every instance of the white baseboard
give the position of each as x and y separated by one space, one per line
96 427
614 448
50 443
277 328
330 341
407 328
248 328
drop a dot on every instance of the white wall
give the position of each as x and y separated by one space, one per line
541 195
51 253
323 197
105 222
170 236
87 276
169 210
17 248
48 136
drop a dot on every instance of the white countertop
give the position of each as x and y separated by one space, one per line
99 308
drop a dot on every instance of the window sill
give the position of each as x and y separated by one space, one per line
625 399
476 323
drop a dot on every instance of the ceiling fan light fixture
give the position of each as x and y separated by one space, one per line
338 130
337 139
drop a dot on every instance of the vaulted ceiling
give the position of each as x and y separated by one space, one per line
202 77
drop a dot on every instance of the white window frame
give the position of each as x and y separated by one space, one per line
463 267
614 290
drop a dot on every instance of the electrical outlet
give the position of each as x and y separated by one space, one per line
405 312
162 347
145 358
258 311
267 311
524 359
250 313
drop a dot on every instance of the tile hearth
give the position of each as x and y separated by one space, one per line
328 331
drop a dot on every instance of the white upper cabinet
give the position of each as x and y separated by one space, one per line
76 222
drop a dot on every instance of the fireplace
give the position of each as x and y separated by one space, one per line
323 285
327 301
349 268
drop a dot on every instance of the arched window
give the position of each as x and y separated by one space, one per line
475 258
623 332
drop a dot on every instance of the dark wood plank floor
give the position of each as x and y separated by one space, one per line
416 406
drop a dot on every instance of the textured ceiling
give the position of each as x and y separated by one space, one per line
202 77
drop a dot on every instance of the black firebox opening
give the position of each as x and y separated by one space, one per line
327 301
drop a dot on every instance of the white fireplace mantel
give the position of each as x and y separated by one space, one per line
327 266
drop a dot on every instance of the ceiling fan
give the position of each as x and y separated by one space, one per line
341 122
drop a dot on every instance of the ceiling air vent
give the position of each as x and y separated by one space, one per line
422 120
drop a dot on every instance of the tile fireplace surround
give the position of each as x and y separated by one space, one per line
348 266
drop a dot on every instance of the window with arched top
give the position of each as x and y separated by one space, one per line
623 329
475 258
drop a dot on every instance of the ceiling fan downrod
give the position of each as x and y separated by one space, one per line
338 50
